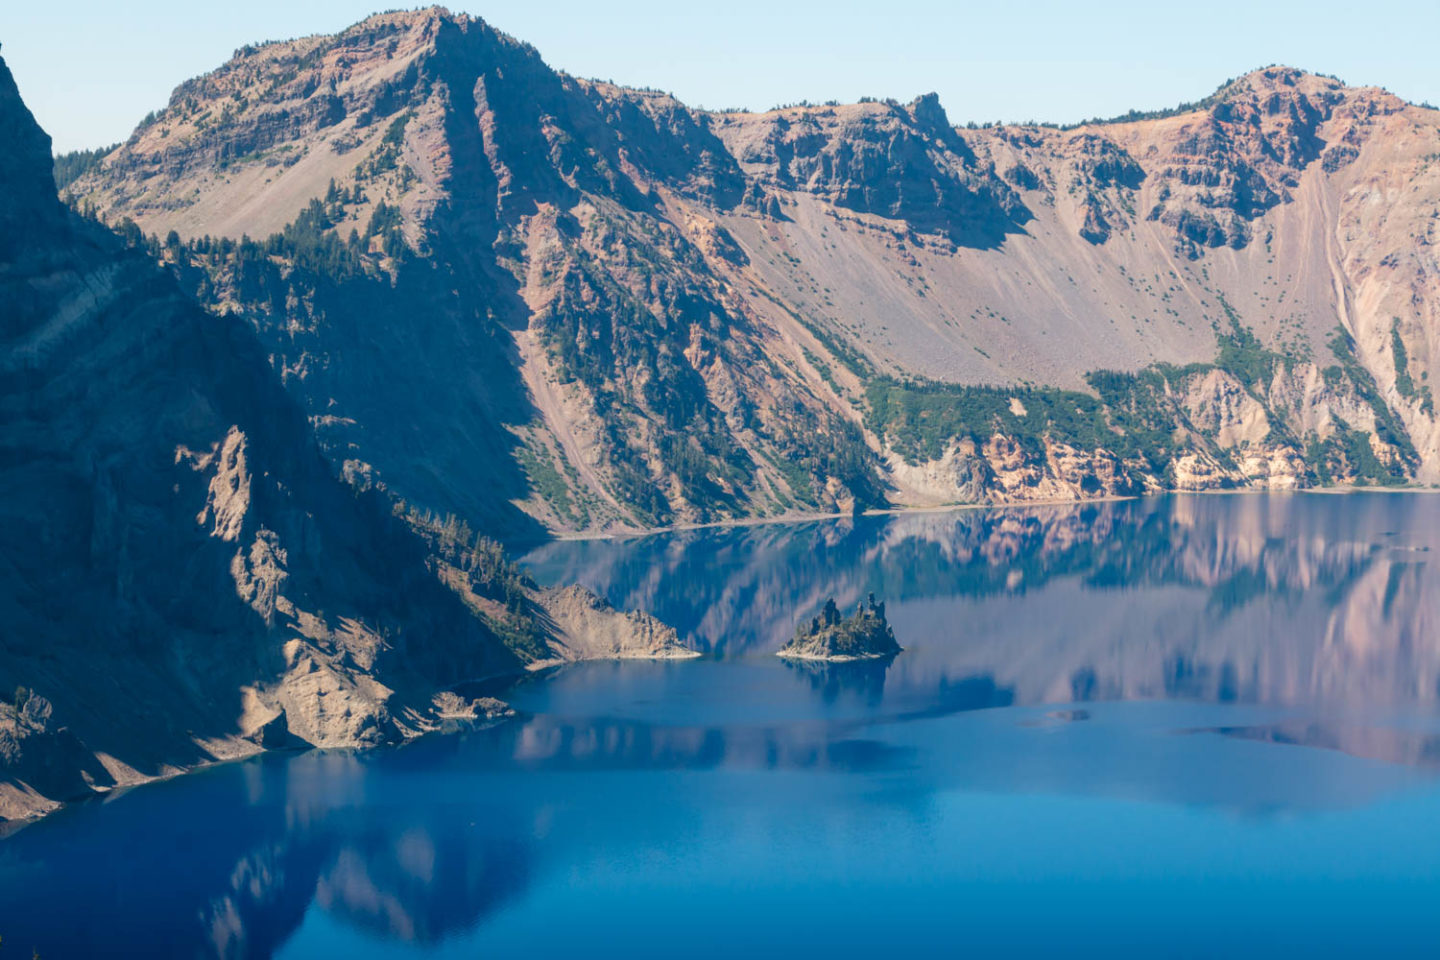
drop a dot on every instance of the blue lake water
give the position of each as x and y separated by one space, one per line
1186 727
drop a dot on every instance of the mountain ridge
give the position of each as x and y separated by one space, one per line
702 305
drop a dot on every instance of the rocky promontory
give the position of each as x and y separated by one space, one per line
864 635
585 626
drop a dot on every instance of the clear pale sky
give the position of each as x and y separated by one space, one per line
90 69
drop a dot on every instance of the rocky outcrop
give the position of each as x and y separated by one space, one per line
864 635
902 163
583 626
546 626
185 579
42 763
1227 165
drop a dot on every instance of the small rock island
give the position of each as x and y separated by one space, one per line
864 635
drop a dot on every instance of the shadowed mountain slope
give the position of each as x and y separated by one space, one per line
183 577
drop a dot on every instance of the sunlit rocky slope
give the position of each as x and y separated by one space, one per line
531 299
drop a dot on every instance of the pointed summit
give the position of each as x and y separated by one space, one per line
926 110
27 190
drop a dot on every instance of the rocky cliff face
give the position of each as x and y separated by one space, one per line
903 163
185 578
623 312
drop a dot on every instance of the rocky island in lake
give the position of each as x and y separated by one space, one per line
864 635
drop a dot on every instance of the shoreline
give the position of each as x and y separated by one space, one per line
446 725
537 671
523 546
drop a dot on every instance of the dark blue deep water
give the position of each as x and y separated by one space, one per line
1183 727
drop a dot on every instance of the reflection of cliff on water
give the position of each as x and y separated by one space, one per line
628 745
1413 748
415 844
235 878
864 679
1248 597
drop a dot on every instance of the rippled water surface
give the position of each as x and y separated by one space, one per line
1186 727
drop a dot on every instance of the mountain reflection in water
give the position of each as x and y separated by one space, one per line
1231 671
1246 598
247 850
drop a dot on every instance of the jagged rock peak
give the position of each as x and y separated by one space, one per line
27 192
864 635
398 35
926 109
